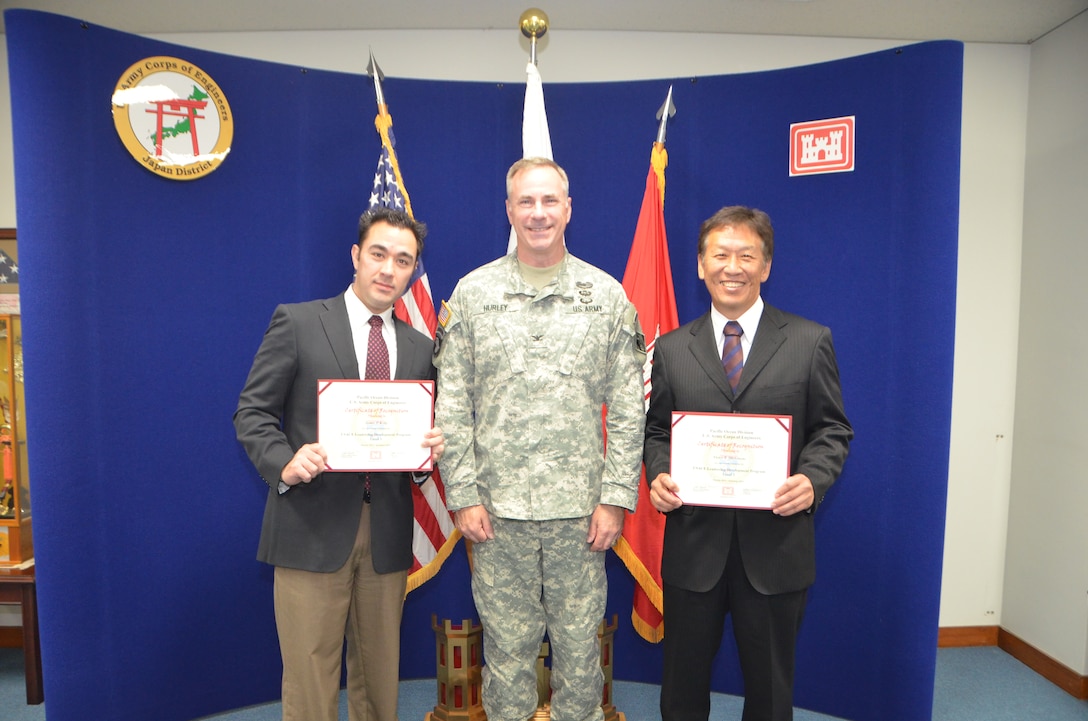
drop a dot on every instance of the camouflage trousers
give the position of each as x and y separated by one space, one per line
535 575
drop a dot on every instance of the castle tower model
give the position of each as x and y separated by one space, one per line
459 656
459 668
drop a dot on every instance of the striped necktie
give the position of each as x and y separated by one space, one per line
732 355
377 352
377 368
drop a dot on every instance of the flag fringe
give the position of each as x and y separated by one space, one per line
383 122
426 573
659 160
653 634
638 570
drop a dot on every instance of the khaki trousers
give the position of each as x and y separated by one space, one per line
314 614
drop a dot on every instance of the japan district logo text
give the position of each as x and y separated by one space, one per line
173 118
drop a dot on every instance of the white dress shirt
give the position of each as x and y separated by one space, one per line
359 319
749 323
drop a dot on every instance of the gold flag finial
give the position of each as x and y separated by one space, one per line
533 23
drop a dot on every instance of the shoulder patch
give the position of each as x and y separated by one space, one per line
444 314
447 321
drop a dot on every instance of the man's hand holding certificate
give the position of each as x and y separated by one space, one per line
729 459
375 425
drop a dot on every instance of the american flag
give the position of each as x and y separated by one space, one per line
9 269
434 534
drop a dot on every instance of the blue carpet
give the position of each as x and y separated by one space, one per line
637 701
987 684
973 684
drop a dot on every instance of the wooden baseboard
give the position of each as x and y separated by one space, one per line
1057 673
961 636
11 637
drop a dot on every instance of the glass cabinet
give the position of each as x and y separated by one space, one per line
16 546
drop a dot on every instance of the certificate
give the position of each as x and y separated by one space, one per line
730 459
375 425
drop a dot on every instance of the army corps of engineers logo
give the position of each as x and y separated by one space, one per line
173 118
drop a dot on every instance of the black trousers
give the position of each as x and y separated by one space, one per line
765 628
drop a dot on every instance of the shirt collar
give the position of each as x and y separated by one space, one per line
749 321
357 310
560 287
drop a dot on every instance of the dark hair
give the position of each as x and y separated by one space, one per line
395 218
732 216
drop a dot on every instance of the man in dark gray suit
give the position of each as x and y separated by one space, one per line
754 564
341 542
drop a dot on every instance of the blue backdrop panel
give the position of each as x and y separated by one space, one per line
144 300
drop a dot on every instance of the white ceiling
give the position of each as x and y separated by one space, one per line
998 21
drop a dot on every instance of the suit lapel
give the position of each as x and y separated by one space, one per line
704 347
338 331
769 338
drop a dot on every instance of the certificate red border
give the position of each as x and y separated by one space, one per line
786 421
323 384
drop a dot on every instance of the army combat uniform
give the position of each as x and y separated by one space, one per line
522 376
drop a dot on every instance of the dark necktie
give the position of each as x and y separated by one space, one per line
377 369
377 353
732 355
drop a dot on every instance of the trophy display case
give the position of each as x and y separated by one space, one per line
16 546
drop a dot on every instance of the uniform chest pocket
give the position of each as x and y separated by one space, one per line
575 331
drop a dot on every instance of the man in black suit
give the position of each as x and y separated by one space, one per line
754 564
341 542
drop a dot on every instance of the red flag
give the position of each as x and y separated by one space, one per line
433 534
648 282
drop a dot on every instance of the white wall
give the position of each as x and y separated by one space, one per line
995 112
1046 590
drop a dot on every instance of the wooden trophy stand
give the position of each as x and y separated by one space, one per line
459 673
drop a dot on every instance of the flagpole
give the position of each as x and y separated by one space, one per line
533 23
658 157
648 283
383 122
535 138
376 74
666 111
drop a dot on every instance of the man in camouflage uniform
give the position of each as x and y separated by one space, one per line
530 347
